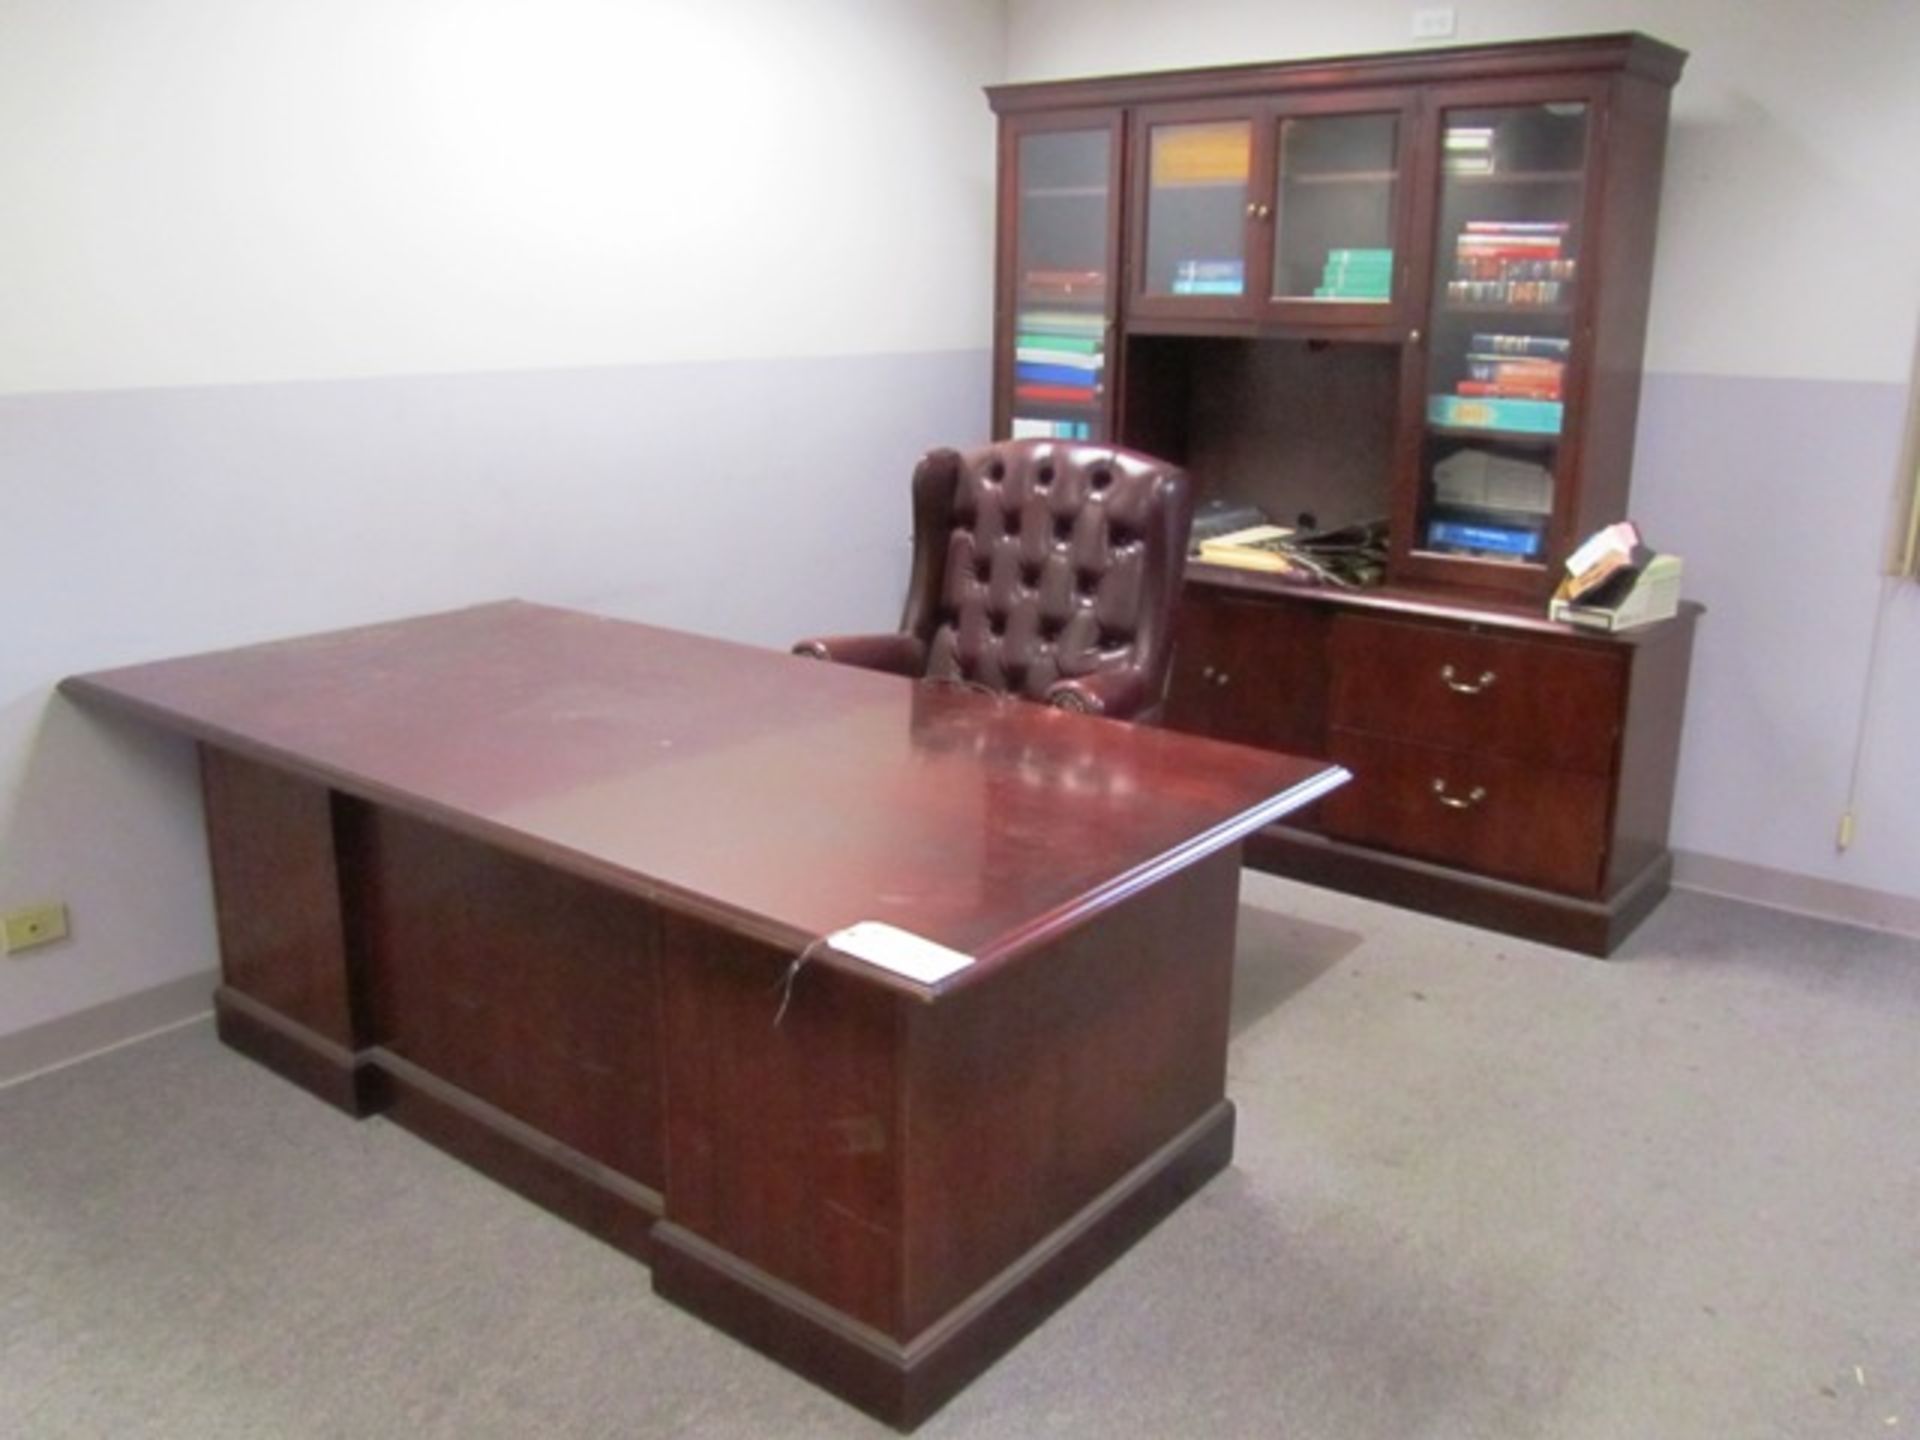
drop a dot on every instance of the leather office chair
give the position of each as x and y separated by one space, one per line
1043 569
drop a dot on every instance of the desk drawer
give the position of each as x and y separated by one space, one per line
1479 812
1531 700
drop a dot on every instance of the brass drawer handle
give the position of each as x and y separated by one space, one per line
1451 679
1458 802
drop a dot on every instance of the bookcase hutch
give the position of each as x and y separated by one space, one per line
1405 289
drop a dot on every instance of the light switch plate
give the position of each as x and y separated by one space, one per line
1433 22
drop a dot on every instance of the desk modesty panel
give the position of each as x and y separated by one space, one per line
529 881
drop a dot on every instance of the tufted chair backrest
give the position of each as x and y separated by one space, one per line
1037 561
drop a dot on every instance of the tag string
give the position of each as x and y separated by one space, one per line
793 973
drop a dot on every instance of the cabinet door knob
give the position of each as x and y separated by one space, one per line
1451 679
1458 802
1221 678
1206 672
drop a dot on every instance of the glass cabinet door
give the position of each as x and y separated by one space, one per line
1336 210
1506 276
1198 205
1064 196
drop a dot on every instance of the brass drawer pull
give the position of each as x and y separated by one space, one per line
1458 802
1451 679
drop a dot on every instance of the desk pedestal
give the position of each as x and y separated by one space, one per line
880 1192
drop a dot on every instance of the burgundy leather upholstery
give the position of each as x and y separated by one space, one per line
1041 568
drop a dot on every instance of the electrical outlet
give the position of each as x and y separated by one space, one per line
1433 22
34 925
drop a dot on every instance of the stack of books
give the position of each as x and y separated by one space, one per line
1511 262
1356 275
1511 382
1210 277
1059 348
1258 547
1468 150
1523 377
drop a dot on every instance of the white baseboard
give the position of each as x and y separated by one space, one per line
1802 894
40 1048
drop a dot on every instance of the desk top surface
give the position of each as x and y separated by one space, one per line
783 797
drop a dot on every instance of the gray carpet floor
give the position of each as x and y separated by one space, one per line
1482 1189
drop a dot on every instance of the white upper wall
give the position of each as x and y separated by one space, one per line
1796 126
220 191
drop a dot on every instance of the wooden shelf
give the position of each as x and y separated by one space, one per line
1501 437
1467 308
1514 177
1344 177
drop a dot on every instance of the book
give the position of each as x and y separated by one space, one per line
1066 277
1497 365
1089 324
1028 428
1653 595
1217 517
1532 417
1210 277
1505 345
1517 227
1480 537
1476 479
1064 284
1512 389
1258 547
1082 364
1057 394
1603 567
1026 372
1039 340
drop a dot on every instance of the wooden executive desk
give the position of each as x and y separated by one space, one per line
527 881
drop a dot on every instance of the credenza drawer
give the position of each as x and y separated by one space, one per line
1480 812
1555 705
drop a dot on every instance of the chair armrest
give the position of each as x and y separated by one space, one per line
899 654
1117 694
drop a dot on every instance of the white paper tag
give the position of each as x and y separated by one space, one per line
900 951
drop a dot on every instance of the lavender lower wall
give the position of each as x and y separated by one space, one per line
1780 495
758 500
761 500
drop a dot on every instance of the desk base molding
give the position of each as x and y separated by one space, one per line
606 1204
1592 927
903 1384
375 1081
324 1069
899 1383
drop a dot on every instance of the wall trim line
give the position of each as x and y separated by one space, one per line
1800 894
55 1044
